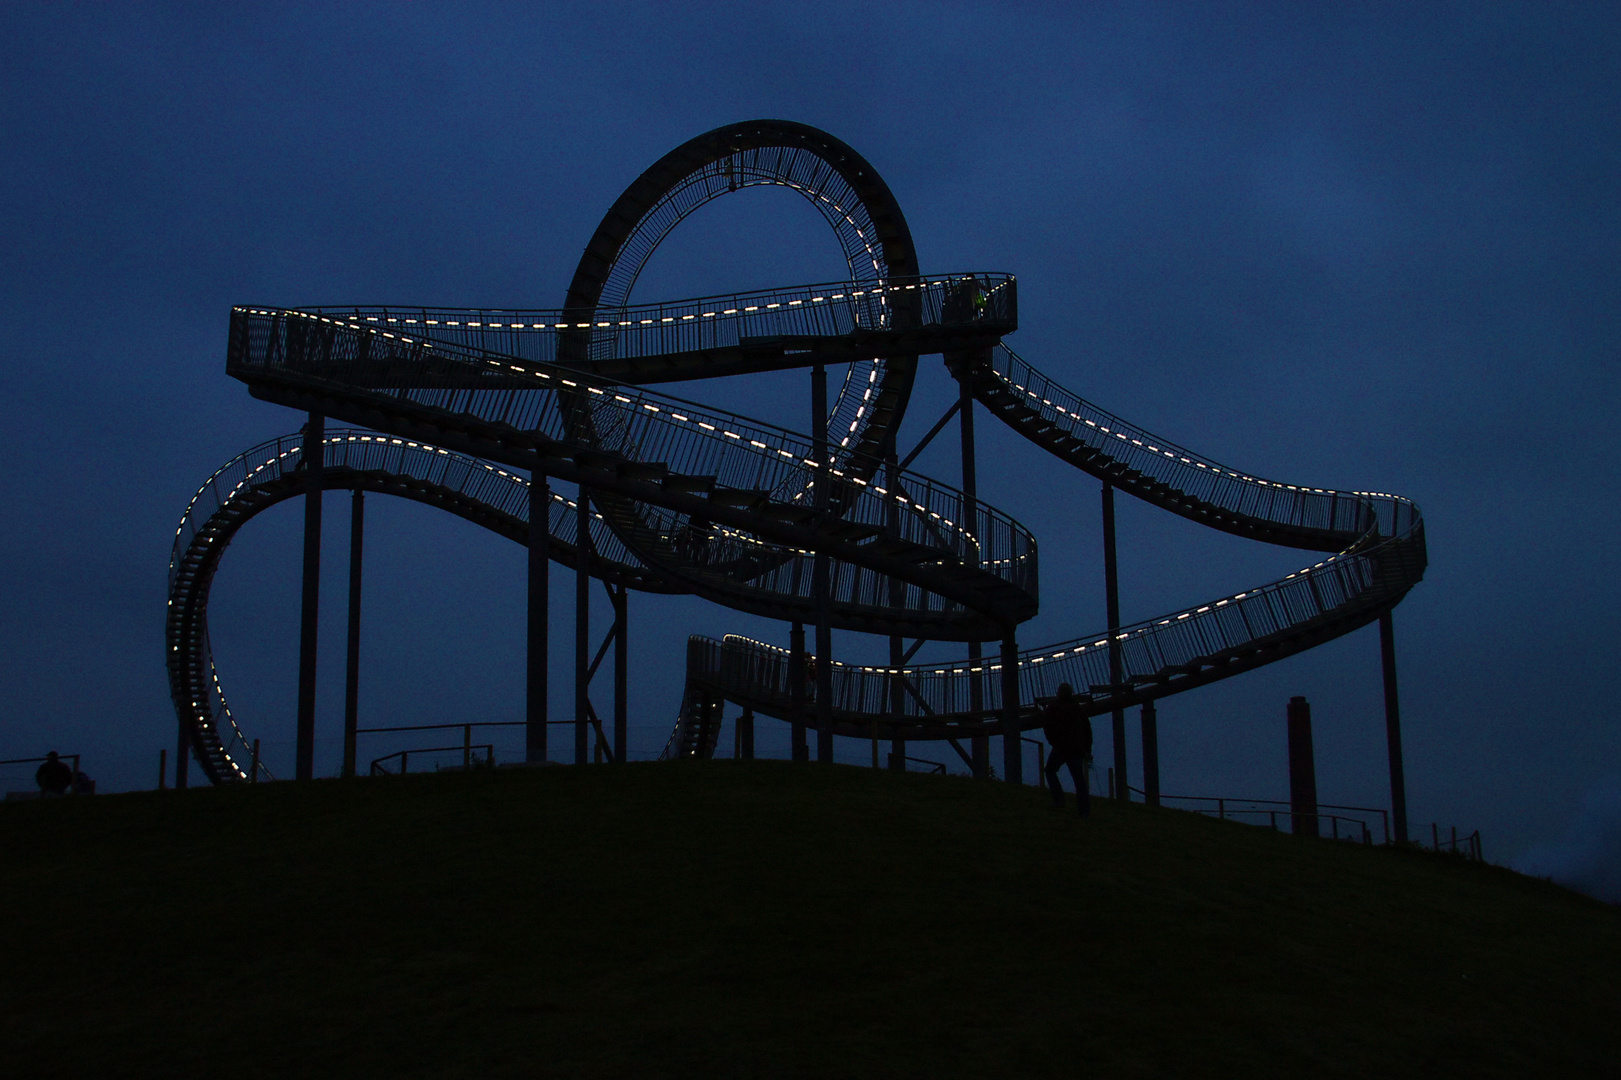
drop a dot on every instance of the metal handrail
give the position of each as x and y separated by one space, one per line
823 310
468 761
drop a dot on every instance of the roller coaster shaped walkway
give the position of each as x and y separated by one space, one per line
457 405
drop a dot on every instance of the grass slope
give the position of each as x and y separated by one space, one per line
755 919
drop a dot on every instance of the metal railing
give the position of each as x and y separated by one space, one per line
981 300
73 787
469 759
1276 811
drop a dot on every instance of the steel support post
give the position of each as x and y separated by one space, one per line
979 745
309 623
1398 784
1012 741
351 671
897 600
540 502
621 603
582 627
820 574
796 690
1302 769
745 734
182 757
1150 754
1111 588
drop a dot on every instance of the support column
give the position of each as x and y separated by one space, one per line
1012 741
1111 588
309 624
745 734
1398 784
979 745
897 600
621 603
182 757
351 674
1150 754
1302 769
796 690
821 584
540 503
897 704
582 627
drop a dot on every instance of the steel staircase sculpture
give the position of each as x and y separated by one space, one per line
692 499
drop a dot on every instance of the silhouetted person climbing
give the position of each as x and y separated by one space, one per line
1069 730
55 776
965 303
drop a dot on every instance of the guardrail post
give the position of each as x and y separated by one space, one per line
540 500
1111 589
1398 784
351 680
1150 754
1302 769
313 452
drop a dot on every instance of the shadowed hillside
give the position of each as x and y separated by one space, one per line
758 919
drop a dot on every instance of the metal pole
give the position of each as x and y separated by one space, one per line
897 600
796 689
1012 747
582 625
467 747
745 734
1302 769
820 573
351 681
540 500
253 777
621 606
1150 754
1398 785
314 441
979 745
182 756
1111 587
163 767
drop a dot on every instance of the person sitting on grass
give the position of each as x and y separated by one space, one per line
55 776
1069 731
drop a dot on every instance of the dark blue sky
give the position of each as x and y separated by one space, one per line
1370 247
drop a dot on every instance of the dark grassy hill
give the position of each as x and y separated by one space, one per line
760 919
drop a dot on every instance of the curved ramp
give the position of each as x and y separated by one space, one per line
480 491
1377 540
